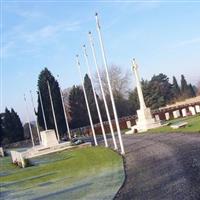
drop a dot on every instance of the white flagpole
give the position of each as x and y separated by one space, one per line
67 124
40 96
87 104
52 107
37 126
109 85
95 97
29 123
102 91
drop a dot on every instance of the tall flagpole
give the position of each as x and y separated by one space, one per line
102 90
44 118
37 126
52 107
95 97
109 85
86 100
65 114
29 123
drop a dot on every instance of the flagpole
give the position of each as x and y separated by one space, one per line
40 97
87 104
52 107
29 124
95 97
65 114
37 126
109 85
102 90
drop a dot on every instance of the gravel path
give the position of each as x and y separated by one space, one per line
161 166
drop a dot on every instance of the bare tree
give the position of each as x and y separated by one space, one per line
120 81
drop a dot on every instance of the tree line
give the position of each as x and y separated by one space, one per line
158 92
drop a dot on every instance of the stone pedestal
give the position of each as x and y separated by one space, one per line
145 120
49 138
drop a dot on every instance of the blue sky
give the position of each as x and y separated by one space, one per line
162 36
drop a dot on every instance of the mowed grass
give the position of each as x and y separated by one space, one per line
63 171
193 126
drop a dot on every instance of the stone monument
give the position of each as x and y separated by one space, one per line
49 138
145 120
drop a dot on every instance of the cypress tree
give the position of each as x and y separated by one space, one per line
78 110
18 128
8 127
184 86
175 88
12 127
90 97
45 76
1 129
191 91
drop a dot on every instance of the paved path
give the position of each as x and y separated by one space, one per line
161 166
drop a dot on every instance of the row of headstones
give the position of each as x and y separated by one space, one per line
176 113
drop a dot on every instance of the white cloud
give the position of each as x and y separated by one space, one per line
21 35
49 31
188 42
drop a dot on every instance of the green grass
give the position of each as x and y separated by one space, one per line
193 126
61 171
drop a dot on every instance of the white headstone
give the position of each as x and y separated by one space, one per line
157 117
167 117
49 138
128 124
184 112
197 107
176 113
192 110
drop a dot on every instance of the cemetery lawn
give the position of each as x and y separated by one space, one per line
87 173
193 126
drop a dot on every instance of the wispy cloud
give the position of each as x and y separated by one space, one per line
20 36
183 43
50 31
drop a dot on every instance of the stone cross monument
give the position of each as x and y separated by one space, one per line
145 120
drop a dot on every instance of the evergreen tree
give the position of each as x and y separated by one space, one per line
19 131
163 88
175 88
1 129
90 97
12 127
187 90
191 91
45 76
184 87
8 128
78 110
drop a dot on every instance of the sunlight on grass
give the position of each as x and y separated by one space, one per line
192 126
62 170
